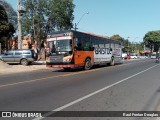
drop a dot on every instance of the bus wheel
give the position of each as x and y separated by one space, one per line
112 63
88 64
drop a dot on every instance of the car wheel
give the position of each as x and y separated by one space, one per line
24 62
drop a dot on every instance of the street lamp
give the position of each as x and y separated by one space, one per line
76 24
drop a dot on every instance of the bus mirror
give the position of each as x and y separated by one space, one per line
110 49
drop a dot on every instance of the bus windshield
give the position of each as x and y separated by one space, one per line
61 46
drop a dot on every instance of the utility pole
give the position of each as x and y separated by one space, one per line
76 27
19 25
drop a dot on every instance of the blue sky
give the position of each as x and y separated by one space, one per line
128 18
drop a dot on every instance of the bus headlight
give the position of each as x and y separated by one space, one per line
67 60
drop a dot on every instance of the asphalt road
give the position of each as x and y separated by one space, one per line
131 86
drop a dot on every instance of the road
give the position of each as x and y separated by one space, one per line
131 86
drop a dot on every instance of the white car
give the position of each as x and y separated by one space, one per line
153 56
133 57
124 55
142 57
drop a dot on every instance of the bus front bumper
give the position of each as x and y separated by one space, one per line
63 66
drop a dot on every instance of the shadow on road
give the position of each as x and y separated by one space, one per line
81 69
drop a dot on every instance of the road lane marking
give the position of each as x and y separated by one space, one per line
65 75
94 93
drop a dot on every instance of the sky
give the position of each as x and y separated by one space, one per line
131 19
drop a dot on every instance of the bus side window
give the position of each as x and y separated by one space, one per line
88 45
79 44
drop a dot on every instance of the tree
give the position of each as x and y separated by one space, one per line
116 37
34 20
61 14
124 42
128 46
43 16
7 24
152 40
140 46
11 13
6 28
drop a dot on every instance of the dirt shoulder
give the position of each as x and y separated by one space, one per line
16 68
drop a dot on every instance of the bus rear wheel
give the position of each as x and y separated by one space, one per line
88 64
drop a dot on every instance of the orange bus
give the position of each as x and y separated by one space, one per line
72 49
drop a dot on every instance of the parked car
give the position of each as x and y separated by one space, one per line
142 57
153 56
23 57
133 56
128 57
124 55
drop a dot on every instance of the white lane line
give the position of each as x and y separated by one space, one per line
94 93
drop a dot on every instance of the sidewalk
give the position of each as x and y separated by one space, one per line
16 68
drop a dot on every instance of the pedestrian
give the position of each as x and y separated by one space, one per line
157 58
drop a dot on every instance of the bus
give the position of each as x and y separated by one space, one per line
73 49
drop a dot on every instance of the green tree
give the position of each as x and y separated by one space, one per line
128 46
152 40
61 14
140 46
34 20
9 16
11 13
6 28
124 42
4 25
43 16
116 37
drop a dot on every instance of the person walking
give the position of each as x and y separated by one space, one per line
157 58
